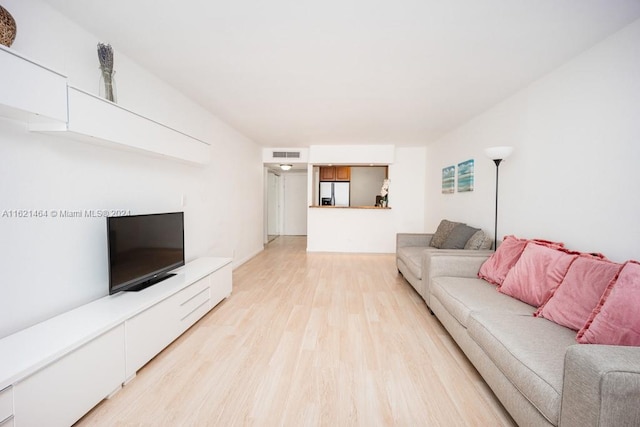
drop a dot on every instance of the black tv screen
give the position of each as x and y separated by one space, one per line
143 249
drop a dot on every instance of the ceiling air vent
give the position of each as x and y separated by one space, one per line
286 154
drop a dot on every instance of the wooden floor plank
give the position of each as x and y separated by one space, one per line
309 339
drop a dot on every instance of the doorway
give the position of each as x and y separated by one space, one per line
273 205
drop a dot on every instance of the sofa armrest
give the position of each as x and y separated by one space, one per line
454 262
450 263
413 239
601 386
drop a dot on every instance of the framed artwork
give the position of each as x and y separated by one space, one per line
465 176
448 179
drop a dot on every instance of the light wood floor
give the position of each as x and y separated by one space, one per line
309 340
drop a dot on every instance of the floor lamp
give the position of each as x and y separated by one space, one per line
497 154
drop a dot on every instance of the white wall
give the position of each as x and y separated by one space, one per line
366 183
574 174
407 176
374 230
351 154
351 230
294 204
274 196
51 265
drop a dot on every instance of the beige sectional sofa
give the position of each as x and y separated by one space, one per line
534 366
413 258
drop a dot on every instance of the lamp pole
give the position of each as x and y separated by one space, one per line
497 154
495 224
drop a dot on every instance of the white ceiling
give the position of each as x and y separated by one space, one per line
299 72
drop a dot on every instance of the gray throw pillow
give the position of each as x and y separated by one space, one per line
475 242
459 236
442 233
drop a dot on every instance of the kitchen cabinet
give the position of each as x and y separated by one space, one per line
335 173
343 173
327 173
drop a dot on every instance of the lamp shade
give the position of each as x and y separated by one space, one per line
285 167
498 153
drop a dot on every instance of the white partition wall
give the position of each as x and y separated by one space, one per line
351 154
372 230
294 219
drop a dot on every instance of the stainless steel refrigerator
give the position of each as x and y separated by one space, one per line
334 193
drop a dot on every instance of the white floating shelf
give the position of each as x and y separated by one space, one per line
96 120
30 91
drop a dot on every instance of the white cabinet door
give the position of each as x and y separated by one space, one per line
95 120
62 392
6 404
94 117
221 283
149 332
30 91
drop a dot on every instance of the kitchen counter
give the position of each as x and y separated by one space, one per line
359 229
349 207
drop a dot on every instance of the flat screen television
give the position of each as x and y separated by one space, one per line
143 249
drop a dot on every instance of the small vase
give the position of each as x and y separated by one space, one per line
107 86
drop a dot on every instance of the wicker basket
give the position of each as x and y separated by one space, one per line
7 27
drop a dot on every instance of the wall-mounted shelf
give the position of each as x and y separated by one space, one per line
40 96
96 120
30 91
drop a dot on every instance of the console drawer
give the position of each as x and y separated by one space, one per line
6 405
196 313
187 307
193 290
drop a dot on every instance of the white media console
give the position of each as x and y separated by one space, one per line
56 371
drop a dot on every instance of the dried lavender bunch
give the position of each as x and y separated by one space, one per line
105 56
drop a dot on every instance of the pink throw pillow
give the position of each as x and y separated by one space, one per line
495 269
616 320
579 293
537 274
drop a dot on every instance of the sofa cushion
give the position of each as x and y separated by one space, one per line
578 294
459 236
479 240
460 296
537 274
412 257
495 269
529 351
616 320
441 234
